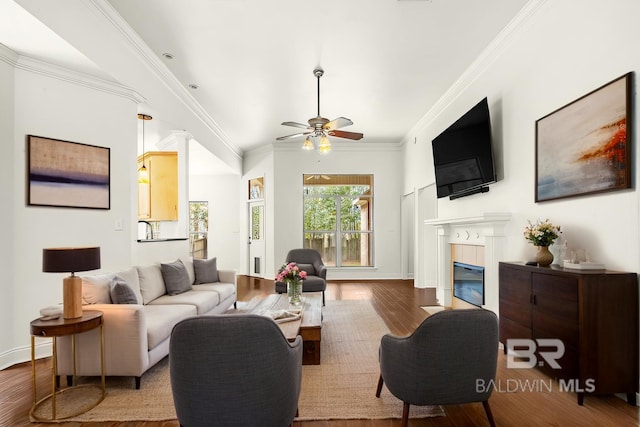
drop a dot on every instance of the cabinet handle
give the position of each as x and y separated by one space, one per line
532 299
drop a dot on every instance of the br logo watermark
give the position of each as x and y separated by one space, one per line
525 351
526 354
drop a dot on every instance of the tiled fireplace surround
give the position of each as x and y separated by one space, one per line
486 230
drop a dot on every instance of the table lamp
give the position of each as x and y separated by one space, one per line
71 260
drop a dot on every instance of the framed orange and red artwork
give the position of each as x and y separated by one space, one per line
584 147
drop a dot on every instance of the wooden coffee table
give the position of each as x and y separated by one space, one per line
309 326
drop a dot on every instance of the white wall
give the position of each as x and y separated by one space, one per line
384 161
47 106
225 201
555 56
7 190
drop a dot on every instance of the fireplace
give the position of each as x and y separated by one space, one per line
468 283
487 231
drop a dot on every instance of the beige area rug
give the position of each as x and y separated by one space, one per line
431 309
343 386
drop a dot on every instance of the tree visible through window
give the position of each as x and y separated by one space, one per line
338 218
198 228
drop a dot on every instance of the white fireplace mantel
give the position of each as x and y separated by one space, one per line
486 230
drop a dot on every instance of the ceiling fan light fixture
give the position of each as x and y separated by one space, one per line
308 144
319 126
325 145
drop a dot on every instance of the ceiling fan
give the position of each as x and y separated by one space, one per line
320 127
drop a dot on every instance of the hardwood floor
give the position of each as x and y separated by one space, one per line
398 303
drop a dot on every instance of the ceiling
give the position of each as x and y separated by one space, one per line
386 62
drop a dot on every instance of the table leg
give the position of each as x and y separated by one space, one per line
33 369
54 372
102 358
73 357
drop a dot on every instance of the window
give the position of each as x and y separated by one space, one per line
338 218
198 228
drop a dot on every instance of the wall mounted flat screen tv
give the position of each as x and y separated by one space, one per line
463 155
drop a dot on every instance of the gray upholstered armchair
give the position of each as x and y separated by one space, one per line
234 370
310 261
442 361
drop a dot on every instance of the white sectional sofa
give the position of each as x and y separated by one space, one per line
137 332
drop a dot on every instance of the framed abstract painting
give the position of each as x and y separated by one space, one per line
67 174
584 147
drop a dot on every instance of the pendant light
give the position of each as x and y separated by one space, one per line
143 174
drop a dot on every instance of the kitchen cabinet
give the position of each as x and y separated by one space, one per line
594 314
158 200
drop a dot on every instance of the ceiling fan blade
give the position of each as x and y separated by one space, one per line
296 125
349 135
282 138
338 123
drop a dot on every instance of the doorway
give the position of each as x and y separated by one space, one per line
256 239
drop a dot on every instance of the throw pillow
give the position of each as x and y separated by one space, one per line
308 268
96 288
176 278
121 292
151 282
130 276
206 270
188 263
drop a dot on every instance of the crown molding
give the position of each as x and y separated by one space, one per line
161 71
175 136
77 78
7 55
37 66
488 56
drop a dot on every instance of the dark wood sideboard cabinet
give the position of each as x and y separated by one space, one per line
594 313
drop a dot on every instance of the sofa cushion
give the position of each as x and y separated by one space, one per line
96 288
130 276
151 282
206 270
202 301
176 278
121 292
314 284
160 320
224 290
188 263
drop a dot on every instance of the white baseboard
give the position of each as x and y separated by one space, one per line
23 354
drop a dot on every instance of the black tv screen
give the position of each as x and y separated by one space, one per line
463 156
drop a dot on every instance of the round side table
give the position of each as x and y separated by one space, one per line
90 319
